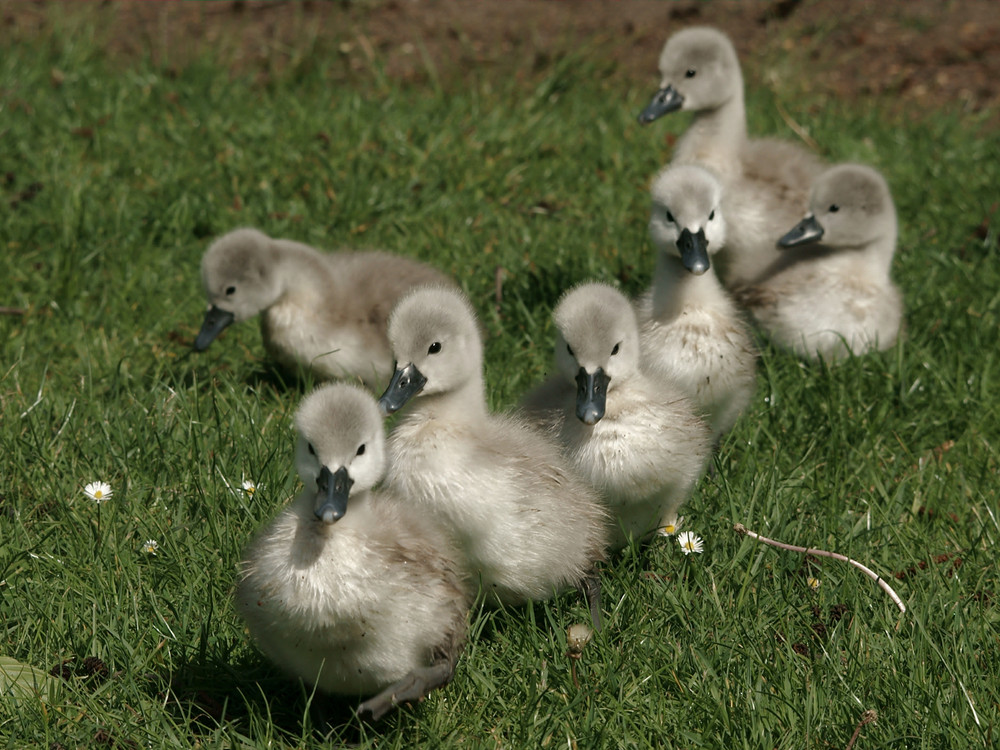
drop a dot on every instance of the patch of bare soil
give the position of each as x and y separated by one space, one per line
929 54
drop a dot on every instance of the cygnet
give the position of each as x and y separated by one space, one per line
349 588
766 181
640 443
691 333
527 525
324 311
830 293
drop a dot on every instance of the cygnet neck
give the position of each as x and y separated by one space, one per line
881 249
716 137
465 403
676 289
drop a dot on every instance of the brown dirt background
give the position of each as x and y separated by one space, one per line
913 54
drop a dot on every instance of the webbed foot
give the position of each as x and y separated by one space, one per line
414 687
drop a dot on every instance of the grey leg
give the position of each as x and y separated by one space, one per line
591 588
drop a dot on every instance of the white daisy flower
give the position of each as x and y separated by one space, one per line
98 491
150 546
250 487
690 542
671 528
814 583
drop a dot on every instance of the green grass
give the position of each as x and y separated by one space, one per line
891 459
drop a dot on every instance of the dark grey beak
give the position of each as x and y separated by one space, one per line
805 232
334 489
665 100
215 322
591 395
406 383
694 251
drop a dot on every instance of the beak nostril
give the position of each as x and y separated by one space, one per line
406 383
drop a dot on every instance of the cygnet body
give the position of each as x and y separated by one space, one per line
324 311
691 333
766 181
641 444
346 588
831 293
527 525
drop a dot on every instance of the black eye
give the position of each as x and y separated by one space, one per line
434 348
834 208
615 350
670 218
690 73
570 350
361 449
230 290
711 216
312 451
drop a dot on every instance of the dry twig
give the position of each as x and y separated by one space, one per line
741 529
800 131
868 717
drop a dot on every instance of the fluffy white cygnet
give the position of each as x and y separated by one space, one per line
830 293
349 588
691 333
323 311
640 443
527 525
766 181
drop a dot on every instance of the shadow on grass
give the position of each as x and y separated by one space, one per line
269 376
251 698
202 372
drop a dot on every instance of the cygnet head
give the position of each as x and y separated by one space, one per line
700 71
435 340
850 206
340 447
238 274
597 345
685 221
